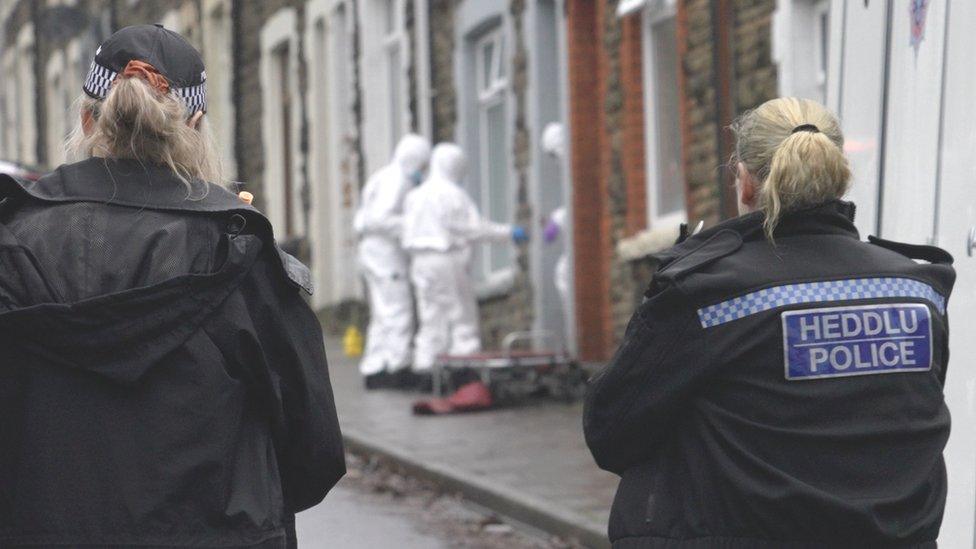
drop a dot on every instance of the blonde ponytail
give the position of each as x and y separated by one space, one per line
794 149
137 122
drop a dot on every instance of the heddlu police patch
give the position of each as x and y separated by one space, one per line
859 340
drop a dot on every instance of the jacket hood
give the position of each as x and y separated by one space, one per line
120 335
448 162
412 153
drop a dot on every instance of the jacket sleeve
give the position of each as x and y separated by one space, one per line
472 227
634 403
295 382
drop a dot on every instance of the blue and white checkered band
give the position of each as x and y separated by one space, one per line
99 82
195 97
818 292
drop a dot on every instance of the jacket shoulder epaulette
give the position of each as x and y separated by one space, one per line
717 246
931 254
297 272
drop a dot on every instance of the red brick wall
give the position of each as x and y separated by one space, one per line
590 224
635 167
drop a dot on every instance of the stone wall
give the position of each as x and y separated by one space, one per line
700 148
443 89
755 71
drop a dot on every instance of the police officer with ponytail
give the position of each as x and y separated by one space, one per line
781 385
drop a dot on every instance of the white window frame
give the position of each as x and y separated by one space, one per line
331 158
281 31
492 94
56 80
652 15
26 107
9 121
822 35
394 41
217 53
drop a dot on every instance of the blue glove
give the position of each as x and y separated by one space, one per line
520 235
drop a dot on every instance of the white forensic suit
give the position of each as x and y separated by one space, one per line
558 218
384 263
554 144
441 223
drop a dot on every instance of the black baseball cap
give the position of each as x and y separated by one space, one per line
170 54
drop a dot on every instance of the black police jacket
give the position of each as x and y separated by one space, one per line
163 383
780 396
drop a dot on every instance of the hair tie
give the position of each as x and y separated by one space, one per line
805 128
141 69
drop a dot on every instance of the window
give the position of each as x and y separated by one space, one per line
283 79
283 178
492 92
56 109
218 52
10 101
384 54
27 129
332 174
665 174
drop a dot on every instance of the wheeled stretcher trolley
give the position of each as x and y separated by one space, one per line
517 369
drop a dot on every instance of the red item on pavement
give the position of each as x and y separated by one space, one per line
470 397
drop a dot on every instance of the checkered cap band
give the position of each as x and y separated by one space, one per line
195 97
99 81
818 292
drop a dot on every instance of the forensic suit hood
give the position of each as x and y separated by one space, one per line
164 382
412 153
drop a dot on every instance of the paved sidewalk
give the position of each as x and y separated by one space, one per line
529 462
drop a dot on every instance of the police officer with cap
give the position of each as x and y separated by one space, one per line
781 385
163 380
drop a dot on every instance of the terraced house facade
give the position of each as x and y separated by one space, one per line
308 97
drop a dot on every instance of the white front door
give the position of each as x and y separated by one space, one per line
954 218
910 126
856 94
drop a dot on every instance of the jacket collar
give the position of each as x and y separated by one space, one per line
834 217
130 183
141 185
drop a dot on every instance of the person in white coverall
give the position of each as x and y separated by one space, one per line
384 263
554 144
441 223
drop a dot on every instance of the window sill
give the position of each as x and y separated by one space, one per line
647 242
